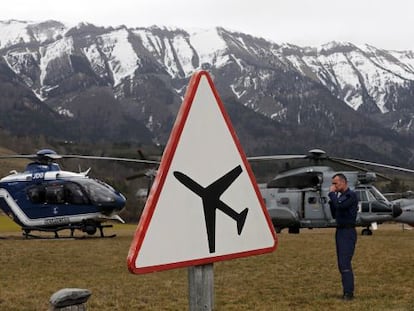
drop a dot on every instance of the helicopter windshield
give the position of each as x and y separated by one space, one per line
378 195
98 192
370 194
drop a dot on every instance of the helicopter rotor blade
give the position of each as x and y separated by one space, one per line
52 155
277 157
144 156
72 156
313 154
340 161
41 154
392 167
109 159
19 156
359 168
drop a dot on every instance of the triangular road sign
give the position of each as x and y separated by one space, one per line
204 205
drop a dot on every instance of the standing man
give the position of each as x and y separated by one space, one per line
344 207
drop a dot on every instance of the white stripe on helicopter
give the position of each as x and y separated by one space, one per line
17 211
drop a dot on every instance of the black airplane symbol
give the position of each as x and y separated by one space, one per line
210 196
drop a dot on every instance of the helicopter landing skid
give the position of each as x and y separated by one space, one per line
89 230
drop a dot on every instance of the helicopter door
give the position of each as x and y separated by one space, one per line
313 207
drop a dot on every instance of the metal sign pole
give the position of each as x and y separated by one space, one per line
201 287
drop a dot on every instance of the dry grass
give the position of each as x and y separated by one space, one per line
300 275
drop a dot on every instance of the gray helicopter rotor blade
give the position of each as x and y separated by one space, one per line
277 157
359 168
397 168
343 162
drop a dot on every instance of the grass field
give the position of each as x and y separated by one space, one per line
300 275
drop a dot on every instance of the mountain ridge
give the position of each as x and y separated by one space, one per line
125 77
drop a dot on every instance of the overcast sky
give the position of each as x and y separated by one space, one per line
385 24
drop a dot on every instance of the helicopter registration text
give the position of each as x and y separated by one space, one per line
57 221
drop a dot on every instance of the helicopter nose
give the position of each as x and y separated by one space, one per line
116 205
396 210
120 202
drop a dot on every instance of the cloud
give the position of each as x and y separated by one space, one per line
382 23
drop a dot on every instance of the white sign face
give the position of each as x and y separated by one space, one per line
204 205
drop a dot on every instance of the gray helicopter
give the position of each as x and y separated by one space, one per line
298 198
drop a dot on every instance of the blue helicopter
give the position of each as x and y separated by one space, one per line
45 198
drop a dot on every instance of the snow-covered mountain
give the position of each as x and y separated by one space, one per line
121 77
368 79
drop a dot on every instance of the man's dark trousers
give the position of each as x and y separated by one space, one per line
345 246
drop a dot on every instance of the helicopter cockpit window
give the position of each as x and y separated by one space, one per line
98 192
377 195
365 196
